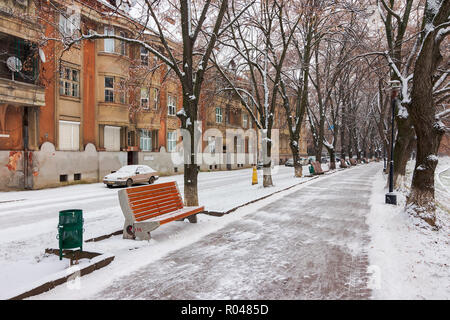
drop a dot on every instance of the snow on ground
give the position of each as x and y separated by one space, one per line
290 245
407 260
28 220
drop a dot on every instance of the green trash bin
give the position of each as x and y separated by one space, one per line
70 230
311 169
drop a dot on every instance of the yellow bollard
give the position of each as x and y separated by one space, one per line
254 176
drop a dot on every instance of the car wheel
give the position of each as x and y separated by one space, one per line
129 183
151 180
109 186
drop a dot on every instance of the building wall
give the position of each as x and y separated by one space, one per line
89 97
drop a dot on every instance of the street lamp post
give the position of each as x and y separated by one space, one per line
391 197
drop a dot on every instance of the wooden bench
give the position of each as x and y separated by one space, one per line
317 167
147 207
343 164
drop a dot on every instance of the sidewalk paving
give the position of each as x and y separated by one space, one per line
311 244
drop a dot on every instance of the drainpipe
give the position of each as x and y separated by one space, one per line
25 149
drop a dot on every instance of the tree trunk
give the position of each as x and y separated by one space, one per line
318 154
421 198
267 176
298 168
422 110
190 185
342 143
267 161
402 150
190 154
332 159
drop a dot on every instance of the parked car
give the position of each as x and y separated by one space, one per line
289 163
260 165
129 175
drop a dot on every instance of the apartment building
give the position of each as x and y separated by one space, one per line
75 114
22 96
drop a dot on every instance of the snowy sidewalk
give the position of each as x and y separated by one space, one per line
310 243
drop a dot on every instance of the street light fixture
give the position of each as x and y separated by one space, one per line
391 197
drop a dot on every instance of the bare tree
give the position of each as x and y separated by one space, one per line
428 126
259 43
198 25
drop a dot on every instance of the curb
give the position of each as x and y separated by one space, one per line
103 261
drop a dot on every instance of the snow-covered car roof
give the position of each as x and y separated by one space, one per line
132 168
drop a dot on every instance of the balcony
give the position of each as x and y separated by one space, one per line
20 87
21 94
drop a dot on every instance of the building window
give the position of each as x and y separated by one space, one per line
212 144
144 56
109 89
144 98
109 43
123 44
69 135
218 115
245 121
123 91
146 140
171 141
155 98
69 82
67 26
130 138
112 138
172 105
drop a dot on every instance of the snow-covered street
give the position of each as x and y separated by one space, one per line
325 237
28 219
306 242
310 244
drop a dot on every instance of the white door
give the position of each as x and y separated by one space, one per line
112 138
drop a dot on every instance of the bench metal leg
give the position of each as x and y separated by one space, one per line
128 231
193 218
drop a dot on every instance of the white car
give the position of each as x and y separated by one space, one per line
129 175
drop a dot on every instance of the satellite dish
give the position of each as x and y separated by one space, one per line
14 64
42 55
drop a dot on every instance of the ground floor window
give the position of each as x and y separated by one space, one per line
69 135
112 138
131 138
146 140
212 144
171 141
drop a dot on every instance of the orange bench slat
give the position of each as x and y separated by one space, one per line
151 187
142 195
153 199
173 203
188 213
